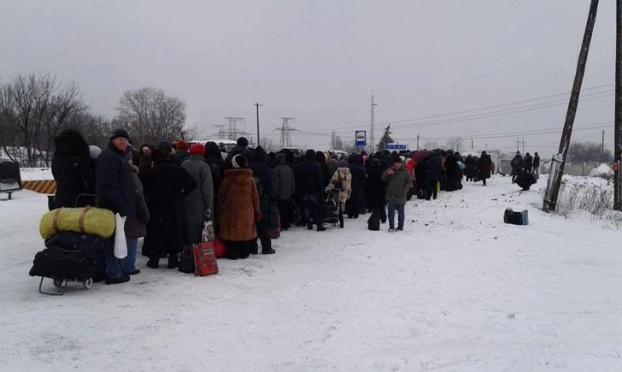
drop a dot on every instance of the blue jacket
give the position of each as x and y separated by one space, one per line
115 187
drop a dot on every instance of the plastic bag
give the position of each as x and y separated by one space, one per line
120 244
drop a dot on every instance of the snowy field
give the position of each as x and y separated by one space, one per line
456 291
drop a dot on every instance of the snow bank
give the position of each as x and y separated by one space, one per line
603 171
36 174
591 195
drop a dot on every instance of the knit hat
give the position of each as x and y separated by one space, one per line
120 133
239 161
242 141
181 146
197 149
164 147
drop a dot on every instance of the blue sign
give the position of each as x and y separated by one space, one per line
397 147
360 138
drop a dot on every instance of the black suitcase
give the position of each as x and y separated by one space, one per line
63 266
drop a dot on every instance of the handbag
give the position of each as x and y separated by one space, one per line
186 261
204 259
204 253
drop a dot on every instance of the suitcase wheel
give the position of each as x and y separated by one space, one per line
88 283
58 283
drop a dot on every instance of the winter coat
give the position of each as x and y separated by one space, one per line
263 178
136 225
70 168
237 205
484 166
359 178
398 185
376 187
517 163
180 157
115 187
536 161
309 178
283 180
341 179
200 200
432 169
527 162
166 185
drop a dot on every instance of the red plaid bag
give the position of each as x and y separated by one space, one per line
204 259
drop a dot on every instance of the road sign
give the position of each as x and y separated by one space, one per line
397 147
360 138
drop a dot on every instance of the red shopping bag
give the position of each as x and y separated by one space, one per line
204 259
220 249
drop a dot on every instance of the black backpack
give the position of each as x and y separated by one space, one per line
373 223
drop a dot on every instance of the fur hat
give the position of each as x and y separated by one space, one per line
120 133
242 141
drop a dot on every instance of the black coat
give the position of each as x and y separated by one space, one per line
70 168
359 181
432 169
165 187
527 162
536 161
484 167
309 178
115 187
375 187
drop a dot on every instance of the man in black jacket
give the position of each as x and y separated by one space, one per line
115 189
166 184
310 182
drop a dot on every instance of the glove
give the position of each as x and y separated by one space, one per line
257 216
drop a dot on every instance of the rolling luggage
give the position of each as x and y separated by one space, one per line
63 266
516 218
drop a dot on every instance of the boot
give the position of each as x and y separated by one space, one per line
310 226
254 249
121 279
173 261
268 251
321 228
154 261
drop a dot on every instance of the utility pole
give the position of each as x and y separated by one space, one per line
372 144
417 141
559 160
517 148
257 107
617 179
602 146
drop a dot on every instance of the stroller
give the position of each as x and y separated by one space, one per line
331 207
71 256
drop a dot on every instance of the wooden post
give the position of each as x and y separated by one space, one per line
557 170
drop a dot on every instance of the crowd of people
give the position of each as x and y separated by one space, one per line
167 192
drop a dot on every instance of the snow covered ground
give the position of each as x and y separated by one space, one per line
456 291
36 174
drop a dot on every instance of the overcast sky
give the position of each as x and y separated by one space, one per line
319 60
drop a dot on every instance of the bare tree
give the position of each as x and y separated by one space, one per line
33 109
151 115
